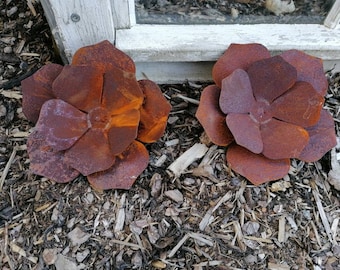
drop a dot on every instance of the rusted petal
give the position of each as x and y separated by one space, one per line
309 69
91 153
236 93
283 140
123 131
301 105
61 124
322 138
271 77
237 56
125 171
80 86
256 168
212 118
154 112
121 91
46 162
104 55
37 89
246 132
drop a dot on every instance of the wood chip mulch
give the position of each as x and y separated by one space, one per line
205 217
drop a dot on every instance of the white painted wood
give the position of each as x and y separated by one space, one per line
174 72
178 72
171 43
333 18
124 15
173 53
95 23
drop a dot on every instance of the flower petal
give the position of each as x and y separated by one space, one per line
309 69
125 171
236 93
237 56
322 138
154 112
61 124
212 118
80 86
246 132
37 89
256 168
104 55
91 153
46 162
301 105
271 77
283 140
121 91
123 130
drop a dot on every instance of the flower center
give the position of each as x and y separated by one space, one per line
260 112
98 117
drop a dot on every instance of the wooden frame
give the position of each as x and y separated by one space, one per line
175 53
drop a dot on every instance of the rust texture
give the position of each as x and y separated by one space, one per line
270 109
92 118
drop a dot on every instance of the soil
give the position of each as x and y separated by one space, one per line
226 12
206 218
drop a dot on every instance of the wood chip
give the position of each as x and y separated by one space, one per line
195 152
178 246
275 266
322 213
174 195
208 218
282 229
78 237
334 173
120 218
7 167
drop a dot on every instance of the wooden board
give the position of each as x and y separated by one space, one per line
175 53
160 50
333 17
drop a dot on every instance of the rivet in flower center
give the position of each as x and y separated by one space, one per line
98 117
260 112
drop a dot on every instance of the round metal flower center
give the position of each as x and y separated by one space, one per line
260 112
99 117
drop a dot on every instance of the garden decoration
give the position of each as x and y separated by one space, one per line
267 109
92 118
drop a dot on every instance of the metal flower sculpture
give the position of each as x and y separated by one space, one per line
92 118
269 109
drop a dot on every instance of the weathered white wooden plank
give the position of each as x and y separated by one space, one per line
178 72
190 43
124 15
75 24
333 18
174 72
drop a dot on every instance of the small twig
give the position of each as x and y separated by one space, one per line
322 212
123 243
6 170
177 247
191 100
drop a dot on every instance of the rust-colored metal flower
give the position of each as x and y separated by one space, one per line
270 108
92 118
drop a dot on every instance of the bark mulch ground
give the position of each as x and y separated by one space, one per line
206 218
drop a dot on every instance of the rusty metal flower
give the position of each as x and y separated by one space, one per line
269 107
92 118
